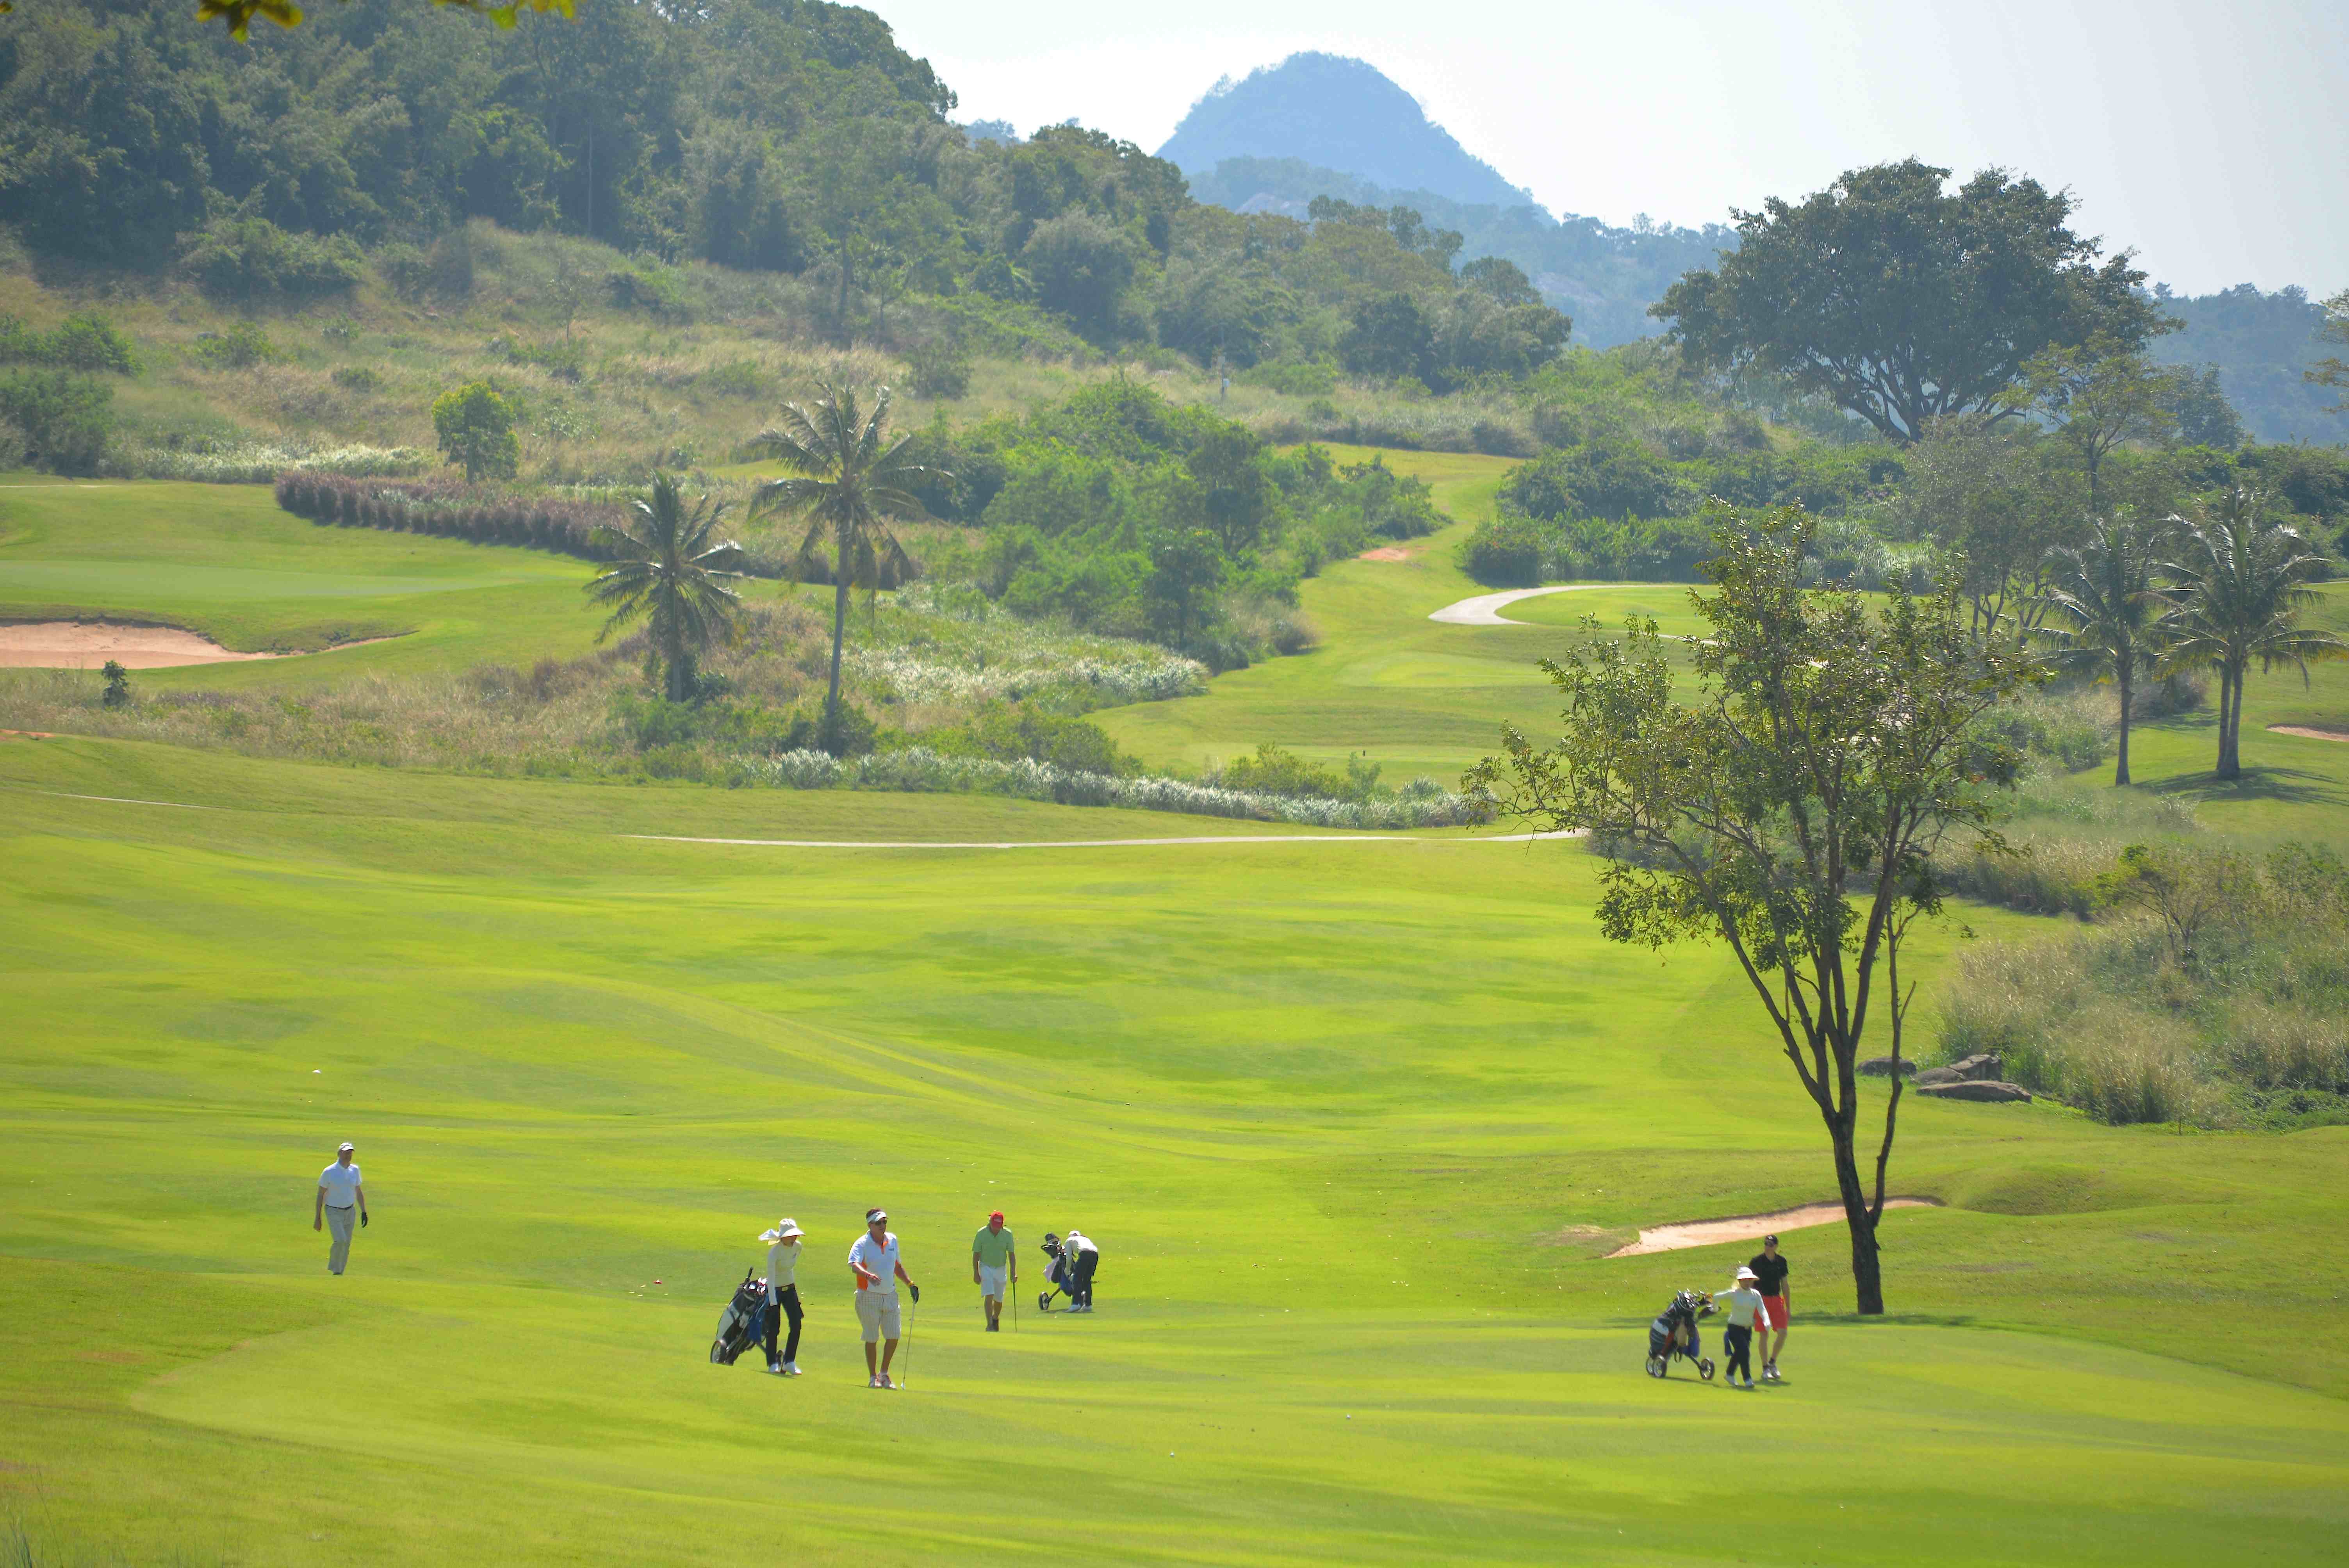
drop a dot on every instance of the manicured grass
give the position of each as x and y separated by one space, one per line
223 559
1354 1122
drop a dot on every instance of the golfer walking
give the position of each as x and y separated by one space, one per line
992 1258
783 1294
1742 1303
1083 1259
339 1193
874 1260
1769 1279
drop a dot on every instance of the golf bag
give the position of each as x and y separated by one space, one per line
1063 1274
743 1324
1674 1333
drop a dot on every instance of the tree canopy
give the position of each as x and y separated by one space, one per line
1904 303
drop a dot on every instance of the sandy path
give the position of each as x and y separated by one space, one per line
1747 1227
2308 732
1098 843
87 644
1484 610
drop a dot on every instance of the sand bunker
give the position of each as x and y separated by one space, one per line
87 644
1747 1227
2308 732
1384 553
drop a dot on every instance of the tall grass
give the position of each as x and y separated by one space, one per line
2246 1024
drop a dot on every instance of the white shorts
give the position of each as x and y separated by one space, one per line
878 1311
990 1281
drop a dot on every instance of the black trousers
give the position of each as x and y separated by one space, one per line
1737 1344
775 1311
1080 1283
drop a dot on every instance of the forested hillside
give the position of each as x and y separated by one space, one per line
2260 344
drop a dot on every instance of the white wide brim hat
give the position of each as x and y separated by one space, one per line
783 1232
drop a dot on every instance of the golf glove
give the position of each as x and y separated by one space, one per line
363 1219
917 1290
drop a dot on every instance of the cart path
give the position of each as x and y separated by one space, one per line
1484 610
1105 843
1747 1227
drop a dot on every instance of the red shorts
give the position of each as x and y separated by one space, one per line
1774 1312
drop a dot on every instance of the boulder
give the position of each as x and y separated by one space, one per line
1881 1067
1986 1068
1985 1092
1932 1078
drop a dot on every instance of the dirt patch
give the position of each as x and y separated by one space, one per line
29 733
87 644
1384 553
1683 1233
2308 732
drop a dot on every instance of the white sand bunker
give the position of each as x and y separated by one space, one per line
1747 1227
2309 732
87 644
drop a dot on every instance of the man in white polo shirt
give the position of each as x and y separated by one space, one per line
339 1194
872 1258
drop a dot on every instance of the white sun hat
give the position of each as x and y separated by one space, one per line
784 1230
1745 1274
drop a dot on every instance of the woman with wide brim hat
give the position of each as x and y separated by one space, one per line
783 1294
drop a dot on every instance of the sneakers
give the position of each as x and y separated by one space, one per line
790 1368
993 1327
883 1382
776 1368
1770 1373
872 1383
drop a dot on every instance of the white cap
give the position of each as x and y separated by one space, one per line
346 1149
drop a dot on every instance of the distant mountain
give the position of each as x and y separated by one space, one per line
1335 113
2260 344
1604 277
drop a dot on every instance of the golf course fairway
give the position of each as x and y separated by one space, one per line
1354 1129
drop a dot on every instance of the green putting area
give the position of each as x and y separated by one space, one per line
1355 1123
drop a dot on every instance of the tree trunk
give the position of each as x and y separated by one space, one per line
2231 720
2120 773
1866 1277
839 631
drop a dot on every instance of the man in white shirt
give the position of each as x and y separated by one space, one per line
340 1192
1083 1259
873 1261
1743 1304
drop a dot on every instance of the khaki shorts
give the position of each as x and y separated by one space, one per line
878 1311
990 1281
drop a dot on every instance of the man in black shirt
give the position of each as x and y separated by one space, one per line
1769 1279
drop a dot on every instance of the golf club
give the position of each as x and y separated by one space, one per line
913 1309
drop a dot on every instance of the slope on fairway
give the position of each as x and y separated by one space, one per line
1353 1129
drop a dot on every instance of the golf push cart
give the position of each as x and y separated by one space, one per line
1674 1333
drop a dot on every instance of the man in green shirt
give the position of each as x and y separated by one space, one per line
992 1256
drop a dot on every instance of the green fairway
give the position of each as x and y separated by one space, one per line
1354 1122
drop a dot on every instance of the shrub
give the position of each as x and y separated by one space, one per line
118 686
1504 552
939 369
1274 770
66 419
475 426
240 347
736 378
252 260
86 341
14 450
357 378
658 291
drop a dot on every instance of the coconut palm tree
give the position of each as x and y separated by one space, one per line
850 482
2240 588
669 568
2108 591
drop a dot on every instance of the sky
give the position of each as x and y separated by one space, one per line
2213 138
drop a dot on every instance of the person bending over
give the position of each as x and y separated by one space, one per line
874 1260
783 1294
1083 1259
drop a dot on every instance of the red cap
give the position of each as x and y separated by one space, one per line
996 1215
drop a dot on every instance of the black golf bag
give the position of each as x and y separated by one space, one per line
1674 1333
743 1322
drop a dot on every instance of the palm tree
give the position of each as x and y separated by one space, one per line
2108 590
666 569
2240 592
850 482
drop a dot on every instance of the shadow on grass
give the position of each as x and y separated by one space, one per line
2294 786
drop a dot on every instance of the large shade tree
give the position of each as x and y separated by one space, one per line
1790 807
671 570
849 481
2241 584
2109 617
1904 303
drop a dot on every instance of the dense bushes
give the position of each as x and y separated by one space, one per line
85 341
63 419
448 509
251 261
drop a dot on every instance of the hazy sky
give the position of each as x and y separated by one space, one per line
2213 138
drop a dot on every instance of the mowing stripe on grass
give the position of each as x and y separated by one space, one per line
1102 844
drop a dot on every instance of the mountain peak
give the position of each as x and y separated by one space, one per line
1337 113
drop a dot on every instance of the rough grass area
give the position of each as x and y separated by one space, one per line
1328 1108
